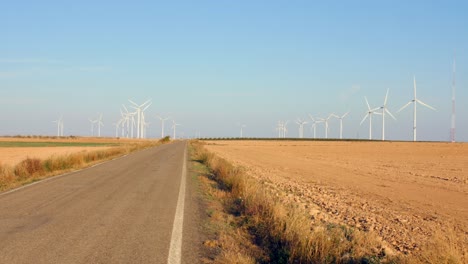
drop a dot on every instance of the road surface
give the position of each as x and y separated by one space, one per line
120 211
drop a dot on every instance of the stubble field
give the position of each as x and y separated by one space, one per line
15 150
409 194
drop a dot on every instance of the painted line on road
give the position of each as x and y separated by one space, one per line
175 249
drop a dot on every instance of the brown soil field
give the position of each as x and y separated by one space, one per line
407 193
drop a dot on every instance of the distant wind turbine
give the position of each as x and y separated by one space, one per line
385 110
415 101
59 126
314 125
325 120
174 125
163 119
99 124
301 124
242 130
369 115
139 109
92 126
341 123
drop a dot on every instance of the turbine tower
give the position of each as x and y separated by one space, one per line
325 120
314 125
139 109
341 123
59 126
452 129
415 101
92 126
242 130
301 124
369 114
174 125
99 124
163 119
385 110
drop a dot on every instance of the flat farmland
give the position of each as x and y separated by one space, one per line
408 193
14 150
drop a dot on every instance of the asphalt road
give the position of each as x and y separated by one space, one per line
120 211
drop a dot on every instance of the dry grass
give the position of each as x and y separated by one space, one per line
284 231
31 169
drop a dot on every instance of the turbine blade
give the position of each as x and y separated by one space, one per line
364 119
132 102
403 107
426 105
367 102
311 117
388 112
343 116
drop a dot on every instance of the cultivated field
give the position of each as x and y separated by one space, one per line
15 150
407 193
24 160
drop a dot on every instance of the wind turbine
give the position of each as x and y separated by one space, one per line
117 125
341 123
140 108
163 119
325 120
314 125
385 110
301 124
242 130
92 126
415 101
174 125
284 128
369 114
99 124
59 126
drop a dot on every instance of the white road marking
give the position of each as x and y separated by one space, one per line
175 249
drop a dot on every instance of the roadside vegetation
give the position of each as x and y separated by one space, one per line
255 227
32 169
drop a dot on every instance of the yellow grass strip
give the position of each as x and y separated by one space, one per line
32 169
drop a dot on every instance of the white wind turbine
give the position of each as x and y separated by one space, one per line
301 124
242 130
139 109
325 120
92 126
369 114
163 119
341 123
174 125
117 125
415 101
99 124
59 126
314 125
385 110
282 128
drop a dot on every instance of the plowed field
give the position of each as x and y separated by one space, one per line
405 192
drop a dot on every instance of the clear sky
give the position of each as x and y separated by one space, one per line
212 65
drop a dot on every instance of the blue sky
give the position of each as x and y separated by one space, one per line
212 65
